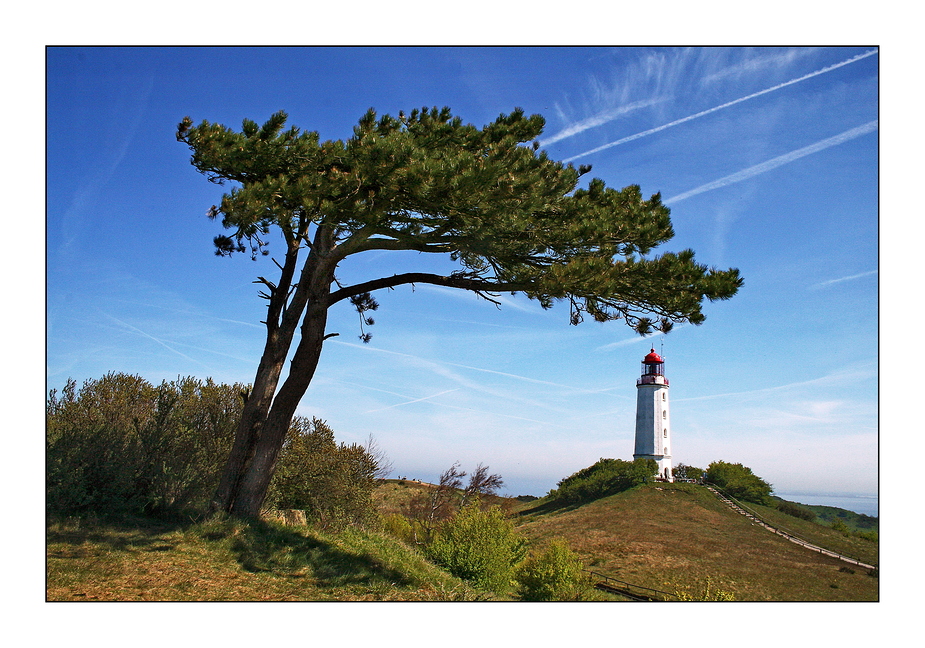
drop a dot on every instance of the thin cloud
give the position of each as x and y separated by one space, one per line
824 284
781 160
836 378
725 105
438 404
436 364
194 313
598 120
151 337
757 64
415 400
633 340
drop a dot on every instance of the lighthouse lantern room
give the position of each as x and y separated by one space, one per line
653 425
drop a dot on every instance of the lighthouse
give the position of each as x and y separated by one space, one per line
653 425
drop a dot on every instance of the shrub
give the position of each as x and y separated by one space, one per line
555 574
331 482
841 527
793 510
397 526
683 471
606 477
122 444
740 482
480 546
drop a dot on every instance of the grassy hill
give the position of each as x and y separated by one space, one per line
680 537
669 537
394 496
227 560
828 515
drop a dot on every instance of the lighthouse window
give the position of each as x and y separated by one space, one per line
663 395
664 414
665 434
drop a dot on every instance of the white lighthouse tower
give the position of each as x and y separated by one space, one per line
653 425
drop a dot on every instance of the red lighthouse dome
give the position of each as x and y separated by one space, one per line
653 370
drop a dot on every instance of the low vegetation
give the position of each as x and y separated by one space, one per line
739 481
333 483
555 573
854 545
122 446
856 522
606 477
223 559
480 546
681 540
130 469
794 510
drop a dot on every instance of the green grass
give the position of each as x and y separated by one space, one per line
855 521
231 560
671 537
680 537
820 534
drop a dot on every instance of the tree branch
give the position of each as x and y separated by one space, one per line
480 286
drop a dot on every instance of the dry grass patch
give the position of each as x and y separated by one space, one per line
227 560
680 536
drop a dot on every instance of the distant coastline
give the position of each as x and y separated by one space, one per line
865 504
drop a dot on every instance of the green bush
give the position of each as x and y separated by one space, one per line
606 477
555 574
480 546
683 471
740 482
333 483
120 444
794 510
397 526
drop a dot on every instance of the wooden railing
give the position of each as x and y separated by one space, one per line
630 590
781 531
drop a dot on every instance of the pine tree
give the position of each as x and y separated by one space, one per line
513 219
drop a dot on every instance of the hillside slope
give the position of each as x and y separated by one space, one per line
680 537
229 560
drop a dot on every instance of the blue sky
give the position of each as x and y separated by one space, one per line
768 158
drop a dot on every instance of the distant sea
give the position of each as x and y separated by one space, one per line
866 504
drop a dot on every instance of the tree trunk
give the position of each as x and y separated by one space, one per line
249 428
252 489
266 417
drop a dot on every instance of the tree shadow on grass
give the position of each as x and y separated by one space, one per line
550 507
257 546
117 534
262 547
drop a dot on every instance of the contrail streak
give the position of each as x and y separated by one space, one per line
841 279
151 337
725 105
778 161
467 409
462 366
848 375
597 120
416 400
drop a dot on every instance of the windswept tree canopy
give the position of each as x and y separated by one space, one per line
514 219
